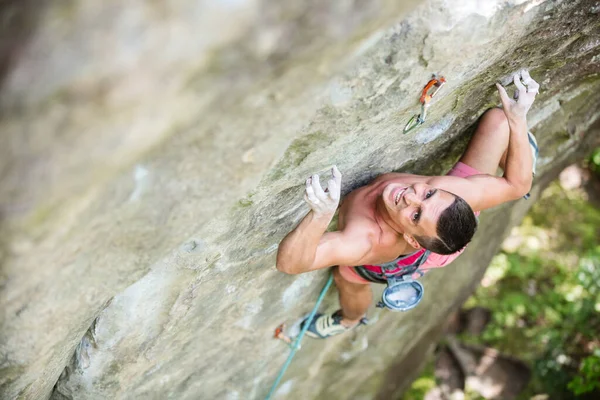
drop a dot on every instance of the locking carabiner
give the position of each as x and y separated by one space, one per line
425 99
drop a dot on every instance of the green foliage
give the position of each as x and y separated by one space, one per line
589 375
545 297
544 293
568 218
594 161
422 385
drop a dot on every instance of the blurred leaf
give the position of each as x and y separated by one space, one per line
545 302
588 378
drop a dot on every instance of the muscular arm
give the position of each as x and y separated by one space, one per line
486 191
297 251
308 246
489 191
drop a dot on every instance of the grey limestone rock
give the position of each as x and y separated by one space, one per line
154 153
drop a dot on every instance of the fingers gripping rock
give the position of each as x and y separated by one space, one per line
526 89
532 86
323 202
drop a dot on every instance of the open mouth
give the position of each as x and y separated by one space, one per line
398 196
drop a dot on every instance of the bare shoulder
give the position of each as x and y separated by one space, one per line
388 176
481 191
358 222
462 187
392 176
345 247
361 228
453 184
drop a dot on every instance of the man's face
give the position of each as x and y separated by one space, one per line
416 208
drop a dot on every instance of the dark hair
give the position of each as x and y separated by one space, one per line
455 228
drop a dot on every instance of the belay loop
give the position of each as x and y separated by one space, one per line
425 100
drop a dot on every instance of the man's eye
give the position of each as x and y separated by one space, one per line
429 194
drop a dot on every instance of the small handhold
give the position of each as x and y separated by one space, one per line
248 156
189 246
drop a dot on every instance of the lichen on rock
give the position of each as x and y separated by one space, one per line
154 154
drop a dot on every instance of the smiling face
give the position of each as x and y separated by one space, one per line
416 208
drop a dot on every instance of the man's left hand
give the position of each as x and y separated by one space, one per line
516 109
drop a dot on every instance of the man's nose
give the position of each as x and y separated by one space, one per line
412 199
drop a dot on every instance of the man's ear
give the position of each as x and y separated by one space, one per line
412 241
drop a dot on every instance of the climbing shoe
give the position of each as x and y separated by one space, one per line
326 325
534 152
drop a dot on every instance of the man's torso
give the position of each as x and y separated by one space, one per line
358 213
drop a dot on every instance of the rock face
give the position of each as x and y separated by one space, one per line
154 153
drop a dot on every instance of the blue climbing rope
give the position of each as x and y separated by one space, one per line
296 345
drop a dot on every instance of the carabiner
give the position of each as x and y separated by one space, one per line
425 99
413 122
434 82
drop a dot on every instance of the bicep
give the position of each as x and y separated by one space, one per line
488 191
481 191
340 248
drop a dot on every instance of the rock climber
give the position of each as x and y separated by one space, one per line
427 220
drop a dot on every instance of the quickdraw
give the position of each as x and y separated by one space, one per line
419 119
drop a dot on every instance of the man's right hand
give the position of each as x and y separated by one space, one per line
516 109
324 203
309 247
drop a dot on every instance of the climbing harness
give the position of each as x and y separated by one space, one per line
402 292
425 100
295 344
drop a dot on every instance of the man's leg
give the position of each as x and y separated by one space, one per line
487 149
355 298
